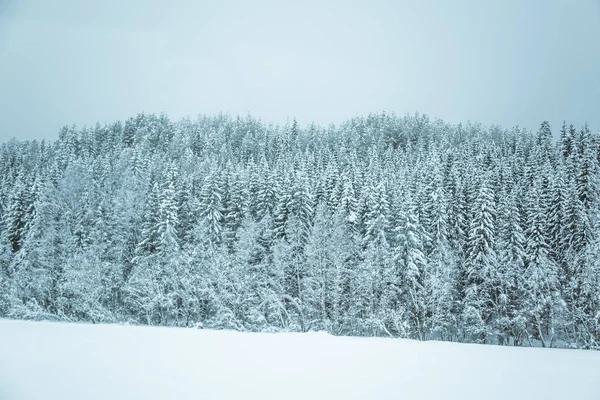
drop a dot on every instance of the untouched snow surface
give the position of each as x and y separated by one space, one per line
43 360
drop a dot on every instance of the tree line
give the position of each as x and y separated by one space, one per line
382 226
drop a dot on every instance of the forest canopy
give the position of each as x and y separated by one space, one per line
382 226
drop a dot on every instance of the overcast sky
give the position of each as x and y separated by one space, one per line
507 62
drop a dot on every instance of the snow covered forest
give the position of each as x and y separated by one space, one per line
382 226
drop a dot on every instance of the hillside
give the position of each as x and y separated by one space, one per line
382 226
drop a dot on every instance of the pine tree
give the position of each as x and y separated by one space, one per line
566 141
149 242
543 298
348 201
556 217
544 139
211 207
16 218
511 321
440 281
412 269
319 285
168 214
480 290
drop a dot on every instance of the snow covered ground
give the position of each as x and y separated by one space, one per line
43 360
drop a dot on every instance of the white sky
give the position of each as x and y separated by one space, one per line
506 62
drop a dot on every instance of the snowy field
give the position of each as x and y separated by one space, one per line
43 360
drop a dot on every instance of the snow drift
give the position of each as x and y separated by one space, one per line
43 360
